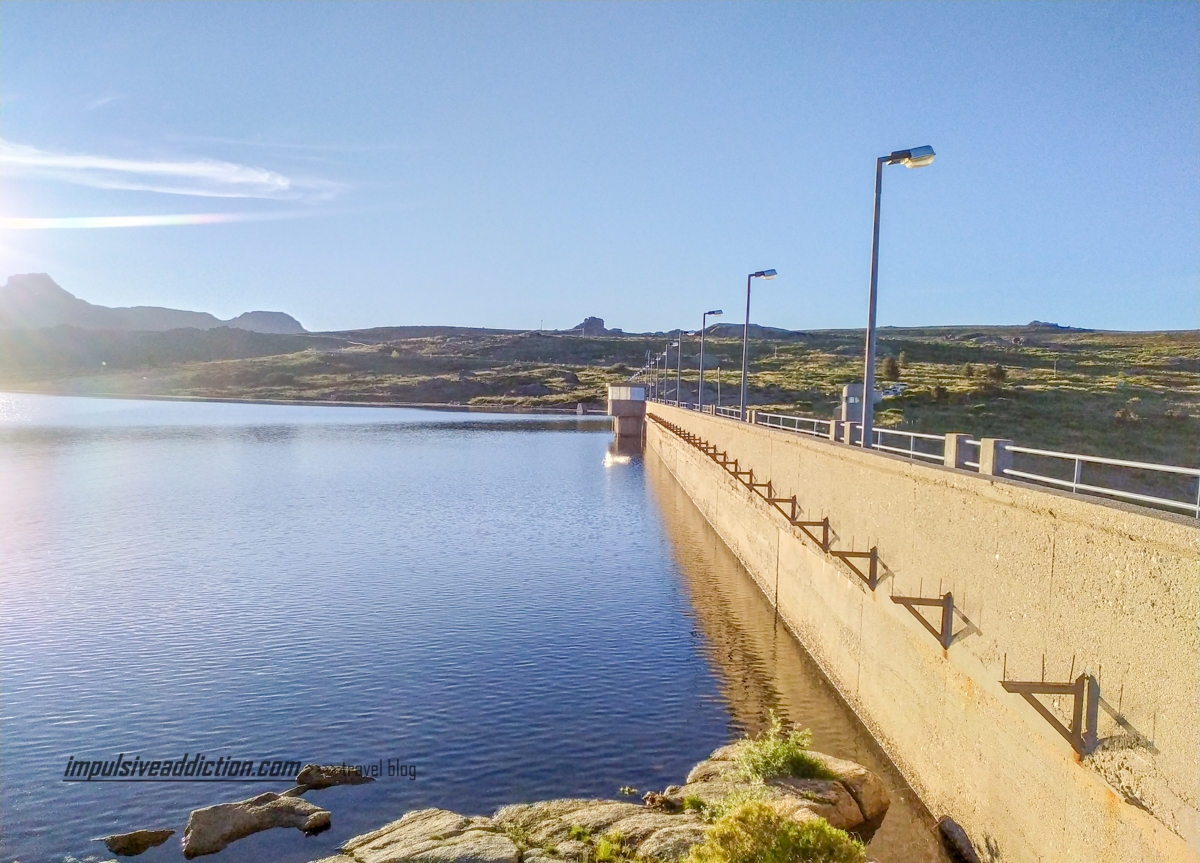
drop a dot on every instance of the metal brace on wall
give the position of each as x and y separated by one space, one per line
1086 691
871 577
946 634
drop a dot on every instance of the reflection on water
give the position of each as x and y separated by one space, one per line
763 667
478 596
492 599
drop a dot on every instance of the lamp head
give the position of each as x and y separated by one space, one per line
715 313
917 157
764 274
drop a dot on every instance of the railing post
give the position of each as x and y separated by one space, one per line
848 432
752 416
956 451
835 430
994 457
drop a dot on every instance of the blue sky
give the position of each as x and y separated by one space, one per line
517 165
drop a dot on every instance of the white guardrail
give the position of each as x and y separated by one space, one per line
1076 485
931 447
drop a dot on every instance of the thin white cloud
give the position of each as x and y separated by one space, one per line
100 101
208 178
281 145
161 220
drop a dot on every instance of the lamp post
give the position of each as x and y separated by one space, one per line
716 313
918 157
667 370
718 384
761 274
679 371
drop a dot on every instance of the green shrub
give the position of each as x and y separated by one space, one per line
776 752
579 834
891 369
608 848
756 833
755 792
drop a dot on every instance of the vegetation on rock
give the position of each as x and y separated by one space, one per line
781 752
756 833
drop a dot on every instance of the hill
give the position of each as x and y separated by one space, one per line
35 301
1123 395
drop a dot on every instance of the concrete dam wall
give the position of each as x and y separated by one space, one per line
1062 722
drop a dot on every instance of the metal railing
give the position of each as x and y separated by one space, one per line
1076 485
911 450
931 447
804 425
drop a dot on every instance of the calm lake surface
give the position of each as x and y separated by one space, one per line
501 602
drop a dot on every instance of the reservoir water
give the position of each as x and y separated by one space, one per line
500 604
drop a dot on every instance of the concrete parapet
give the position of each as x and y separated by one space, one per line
994 457
1048 588
957 451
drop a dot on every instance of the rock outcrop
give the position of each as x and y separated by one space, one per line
210 829
661 830
316 776
135 843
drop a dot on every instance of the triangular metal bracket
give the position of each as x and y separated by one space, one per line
1086 692
945 634
871 577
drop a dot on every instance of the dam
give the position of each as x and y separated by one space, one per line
1027 658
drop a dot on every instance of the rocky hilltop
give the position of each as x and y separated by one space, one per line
35 301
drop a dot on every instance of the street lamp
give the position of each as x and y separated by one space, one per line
761 274
918 157
679 370
716 313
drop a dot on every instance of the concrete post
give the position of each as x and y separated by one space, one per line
752 416
835 430
994 457
848 432
956 452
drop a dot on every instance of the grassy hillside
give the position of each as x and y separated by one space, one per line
1128 395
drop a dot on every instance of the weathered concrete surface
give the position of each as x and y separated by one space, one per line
1090 586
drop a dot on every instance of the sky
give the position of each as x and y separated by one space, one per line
525 165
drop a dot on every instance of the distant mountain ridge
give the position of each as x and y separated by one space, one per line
34 301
